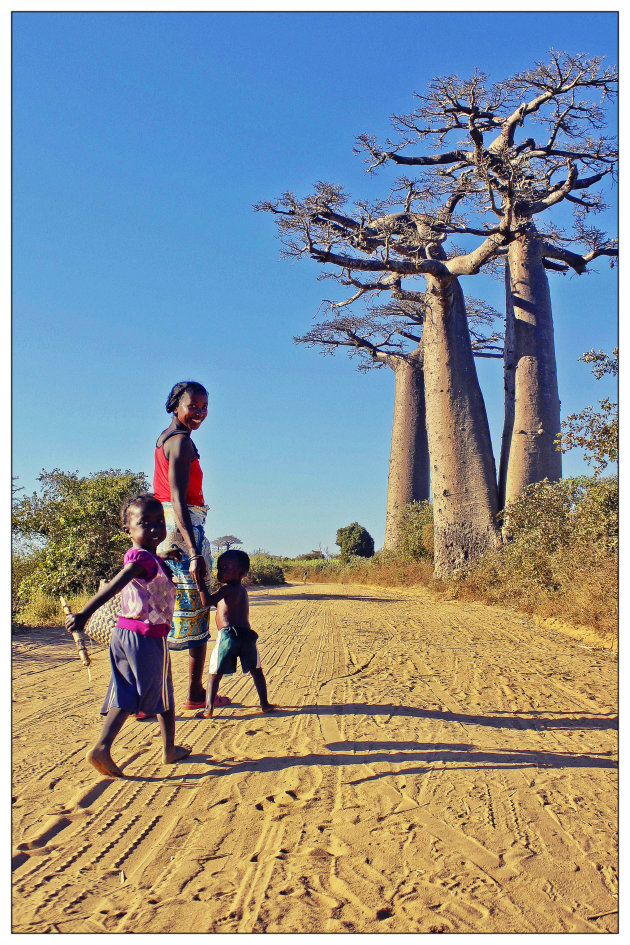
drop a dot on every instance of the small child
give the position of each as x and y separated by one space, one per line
141 681
235 637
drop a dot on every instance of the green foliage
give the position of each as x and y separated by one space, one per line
264 570
23 565
415 531
560 558
70 533
595 431
354 539
549 516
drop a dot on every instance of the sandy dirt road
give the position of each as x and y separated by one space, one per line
435 767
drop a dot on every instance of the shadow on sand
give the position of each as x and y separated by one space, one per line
263 597
532 720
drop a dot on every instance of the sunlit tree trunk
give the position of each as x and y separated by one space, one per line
532 405
409 456
463 473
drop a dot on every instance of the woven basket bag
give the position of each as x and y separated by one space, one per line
101 624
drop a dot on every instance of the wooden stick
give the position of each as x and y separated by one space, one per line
79 637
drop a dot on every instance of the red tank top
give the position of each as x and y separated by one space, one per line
161 486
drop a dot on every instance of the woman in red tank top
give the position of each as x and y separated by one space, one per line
177 483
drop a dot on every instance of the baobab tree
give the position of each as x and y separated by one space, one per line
397 239
391 335
225 542
522 147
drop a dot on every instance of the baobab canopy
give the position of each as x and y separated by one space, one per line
493 159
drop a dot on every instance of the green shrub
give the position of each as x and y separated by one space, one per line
560 555
415 531
23 566
354 540
72 527
549 516
264 570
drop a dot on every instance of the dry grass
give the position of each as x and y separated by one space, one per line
43 610
573 586
391 572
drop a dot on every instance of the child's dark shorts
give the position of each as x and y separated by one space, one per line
233 642
141 678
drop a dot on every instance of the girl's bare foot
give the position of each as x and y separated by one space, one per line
102 761
176 753
268 708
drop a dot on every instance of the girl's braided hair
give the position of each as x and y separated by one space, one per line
147 498
173 399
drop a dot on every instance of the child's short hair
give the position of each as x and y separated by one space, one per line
147 498
235 554
177 392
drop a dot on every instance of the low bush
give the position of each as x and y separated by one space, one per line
264 570
560 558
415 531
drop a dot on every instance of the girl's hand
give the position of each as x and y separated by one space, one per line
75 623
171 554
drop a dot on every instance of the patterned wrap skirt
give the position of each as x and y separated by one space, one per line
190 620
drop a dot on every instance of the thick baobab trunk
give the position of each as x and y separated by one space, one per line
409 457
463 473
532 405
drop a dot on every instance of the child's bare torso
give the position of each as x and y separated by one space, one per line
233 607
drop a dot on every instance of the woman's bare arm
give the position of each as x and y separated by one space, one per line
180 453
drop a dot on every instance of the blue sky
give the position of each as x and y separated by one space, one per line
140 143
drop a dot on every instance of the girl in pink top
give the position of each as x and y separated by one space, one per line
141 681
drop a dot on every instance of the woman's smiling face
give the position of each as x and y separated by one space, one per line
192 409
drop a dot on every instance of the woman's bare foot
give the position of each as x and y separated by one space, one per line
176 753
268 708
102 761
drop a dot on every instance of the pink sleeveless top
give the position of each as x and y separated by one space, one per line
147 604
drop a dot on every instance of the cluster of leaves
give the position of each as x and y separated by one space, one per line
68 536
415 531
595 431
354 540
